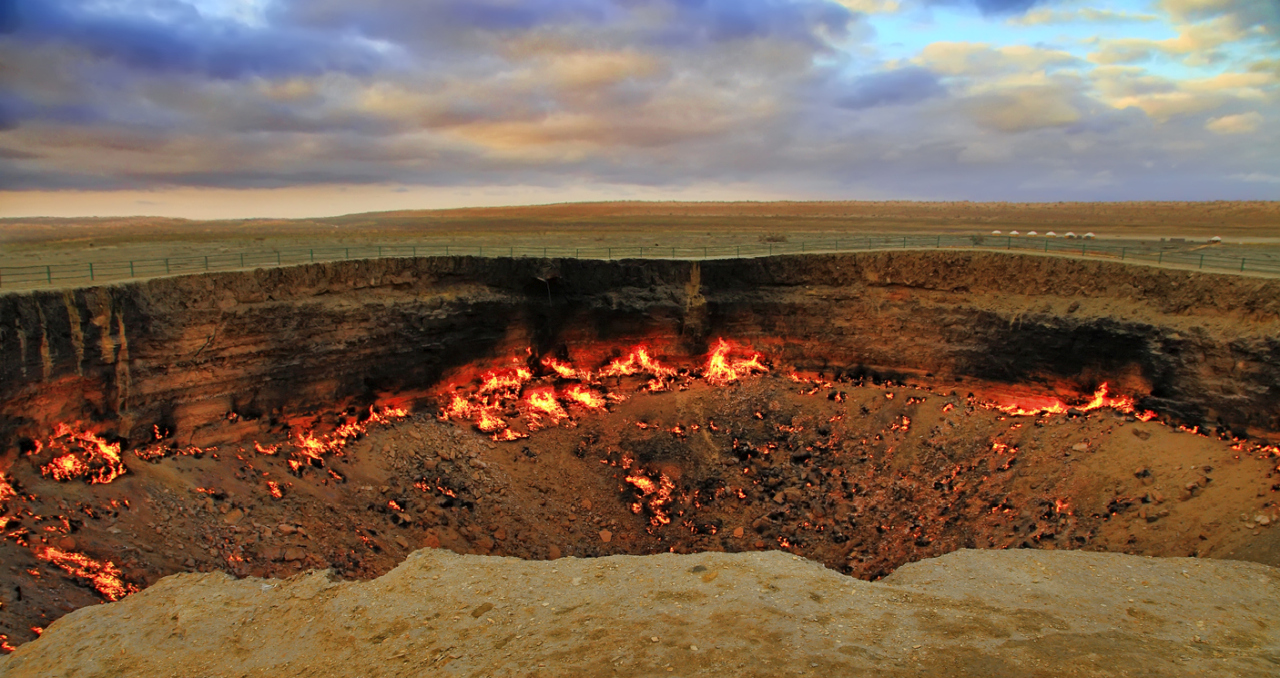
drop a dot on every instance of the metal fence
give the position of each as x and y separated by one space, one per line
66 275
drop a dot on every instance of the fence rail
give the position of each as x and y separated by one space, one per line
57 275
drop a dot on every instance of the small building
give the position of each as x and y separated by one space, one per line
1014 233
997 233
1088 236
1032 233
1070 234
1050 234
1215 239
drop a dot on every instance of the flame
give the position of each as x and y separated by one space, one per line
274 488
1048 405
720 369
83 455
636 362
509 379
565 370
103 576
268 450
581 395
6 490
544 403
655 494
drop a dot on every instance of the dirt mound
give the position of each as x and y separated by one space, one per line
970 613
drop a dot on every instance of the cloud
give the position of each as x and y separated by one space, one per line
994 7
1045 15
1242 123
175 38
982 59
1024 109
907 85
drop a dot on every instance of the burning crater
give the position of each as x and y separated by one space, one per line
863 411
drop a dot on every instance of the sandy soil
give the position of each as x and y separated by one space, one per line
971 613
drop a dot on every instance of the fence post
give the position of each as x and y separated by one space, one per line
1201 261
939 241
166 265
348 255
673 253
131 275
1242 264
1121 254
802 247
206 262
48 274
770 249
278 257
313 255
379 251
704 252
91 270
739 251
446 250
1160 257
1083 247
610 254
1046 245
544 252
242 260
512 253
1008 242
415 251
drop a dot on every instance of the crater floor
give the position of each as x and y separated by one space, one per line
858 476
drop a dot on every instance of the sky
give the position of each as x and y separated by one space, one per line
293 108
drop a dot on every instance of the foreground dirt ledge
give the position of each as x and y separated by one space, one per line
990 613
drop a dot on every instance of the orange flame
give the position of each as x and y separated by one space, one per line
565 370
720 369
1036 405
544 403
104 576
637 361
85 455
585 397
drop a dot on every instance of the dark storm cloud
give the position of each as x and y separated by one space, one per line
901 86
175 38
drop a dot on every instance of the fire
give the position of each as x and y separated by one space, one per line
565 370
274 488
1047 405
544 403
637 361
82 455
103 576
585 397
268 450
721 369
6 490
504 380
656 494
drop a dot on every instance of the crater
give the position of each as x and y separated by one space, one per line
864 411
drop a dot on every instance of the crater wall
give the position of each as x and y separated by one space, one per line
183 351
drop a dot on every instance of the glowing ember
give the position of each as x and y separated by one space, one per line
6 490
655 494
103 576
721 369
274 488
565 370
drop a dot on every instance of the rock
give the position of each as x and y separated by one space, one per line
445 455
1079 592
1262 520
294 554
66 544
606 536
500 534
553 552
404 543
586 504
233 516
286 529
1141 434
430 464
1080 447
738 532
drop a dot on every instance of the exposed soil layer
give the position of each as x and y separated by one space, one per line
206 382
1023 614
182 352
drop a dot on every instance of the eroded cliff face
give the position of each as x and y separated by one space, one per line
186 351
